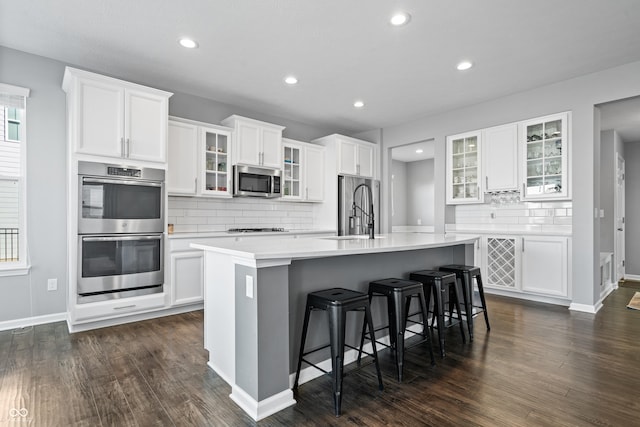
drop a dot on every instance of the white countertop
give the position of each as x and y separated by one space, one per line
322 247
239 234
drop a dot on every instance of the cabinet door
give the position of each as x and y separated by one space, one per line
183 157
292 172
314 174
215 178
187 282
463 168
500 154
544 265
545 157
365 161
271 146
145 126
248 144
100 119
347 158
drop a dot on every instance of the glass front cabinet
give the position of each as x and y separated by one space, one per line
216 179
463 168
292 177
544 154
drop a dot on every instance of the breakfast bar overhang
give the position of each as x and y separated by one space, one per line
255 297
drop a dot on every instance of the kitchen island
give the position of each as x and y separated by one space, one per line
255 294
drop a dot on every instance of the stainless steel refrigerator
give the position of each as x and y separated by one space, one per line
354 205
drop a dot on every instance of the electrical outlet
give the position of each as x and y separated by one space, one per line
249 286
52 284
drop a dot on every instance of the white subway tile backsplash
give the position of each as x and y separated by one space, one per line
206 215
524 217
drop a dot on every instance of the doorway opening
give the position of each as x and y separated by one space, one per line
412 187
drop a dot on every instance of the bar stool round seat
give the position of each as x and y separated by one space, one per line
398 293
337 302
440 284
465 274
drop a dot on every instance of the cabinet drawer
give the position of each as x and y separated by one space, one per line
117 308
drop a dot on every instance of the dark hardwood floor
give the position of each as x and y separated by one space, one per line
540 365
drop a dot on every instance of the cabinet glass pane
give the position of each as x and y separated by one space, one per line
545 157
464 171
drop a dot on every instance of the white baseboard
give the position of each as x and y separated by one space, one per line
633 277
528 297
32 321
586 308
264 408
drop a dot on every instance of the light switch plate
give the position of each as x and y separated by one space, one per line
52 284
249 286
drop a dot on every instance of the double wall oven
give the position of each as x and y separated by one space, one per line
120 231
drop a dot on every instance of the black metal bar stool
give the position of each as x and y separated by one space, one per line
466 274
398 293
337 302
440 283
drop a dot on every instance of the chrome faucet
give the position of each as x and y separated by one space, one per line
369 216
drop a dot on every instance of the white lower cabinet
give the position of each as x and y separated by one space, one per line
526 264
544 265
187 277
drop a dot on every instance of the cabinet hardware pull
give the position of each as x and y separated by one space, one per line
307 194
524 192
486 182
196 182
522 244
128 147
124 306
121 147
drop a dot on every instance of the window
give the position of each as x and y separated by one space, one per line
13 259
12 123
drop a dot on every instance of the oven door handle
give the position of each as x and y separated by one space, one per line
121 181
118 238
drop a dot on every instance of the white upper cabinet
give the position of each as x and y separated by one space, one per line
351 156
114 118
199 159
355 158
314 171
303 171
500 157
182 174
256 143
544 151
463 168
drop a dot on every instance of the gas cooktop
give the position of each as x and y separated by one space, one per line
255 230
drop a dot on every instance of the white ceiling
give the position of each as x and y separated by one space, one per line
339 50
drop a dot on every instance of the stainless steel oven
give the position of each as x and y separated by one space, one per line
119 199
120 231
119 265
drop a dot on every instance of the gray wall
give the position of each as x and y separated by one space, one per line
578 95
632 208
420 192
399 172
26 296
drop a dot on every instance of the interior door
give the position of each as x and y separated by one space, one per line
619 255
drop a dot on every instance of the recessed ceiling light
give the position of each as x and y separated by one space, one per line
290 80
358 104
464 65
188 43
419 151
400 18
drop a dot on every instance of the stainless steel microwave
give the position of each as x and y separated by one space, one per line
254 181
